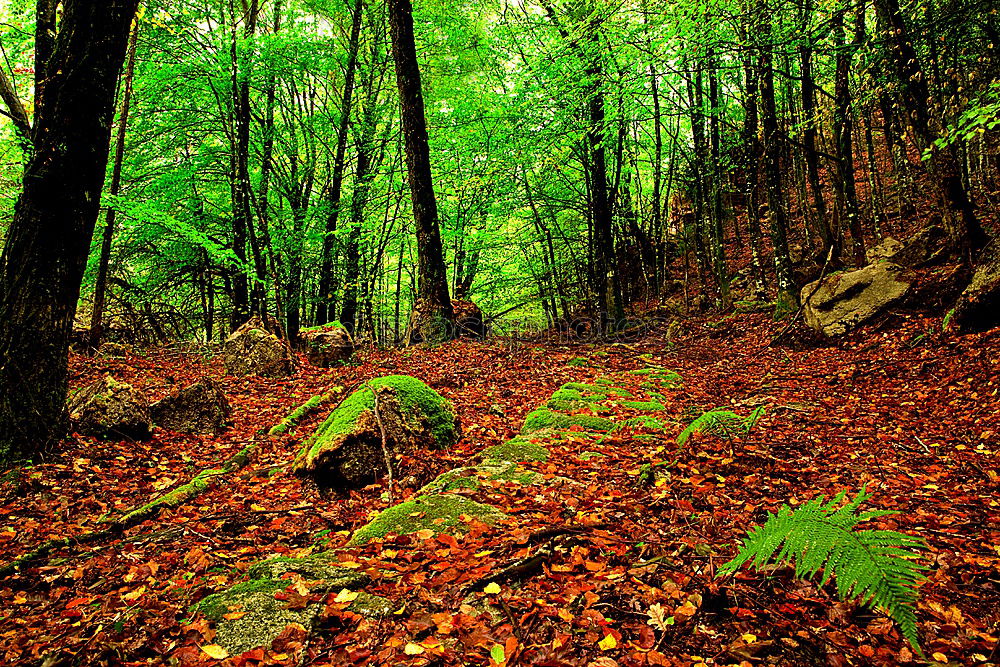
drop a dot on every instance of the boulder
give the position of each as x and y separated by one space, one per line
469 322
200 408
327 345
929 245
346 450
284 592
978 308
842 301
252 350
114 350
111 409
886 249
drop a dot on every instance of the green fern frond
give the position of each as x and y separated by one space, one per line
723 423
874 567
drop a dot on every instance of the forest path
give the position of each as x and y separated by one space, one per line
905 410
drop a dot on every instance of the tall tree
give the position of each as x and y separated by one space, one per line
433 315
45 254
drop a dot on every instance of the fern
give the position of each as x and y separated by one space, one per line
723 423
875 567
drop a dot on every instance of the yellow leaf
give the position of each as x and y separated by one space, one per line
345 596
413 649
940 657
609 642
215 651
492 588
749 638
257 508
425 533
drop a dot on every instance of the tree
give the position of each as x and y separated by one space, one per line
45 254
433 316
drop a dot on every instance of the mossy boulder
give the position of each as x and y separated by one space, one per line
200 408
111 409
327 345
598 390
346 450
517 450
265 614
544 418
440 512
472 477
253 350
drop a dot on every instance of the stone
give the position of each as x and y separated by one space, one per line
346 450
439 512
328 345
929 245
886 249
114 350
252 350
110 409
978 308
843 301
200 408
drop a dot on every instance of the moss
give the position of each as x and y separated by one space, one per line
298 413
545 418
316 567
598 390
217 605
578 362
470 477
643 421
587 456
648 406
371 606
415 398
440 512
518 449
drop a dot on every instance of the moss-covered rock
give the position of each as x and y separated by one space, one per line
518 450
346 449
604 390
322 566
111 409
545 418
471 477
442 512
646 406
578 362
252 350
327 345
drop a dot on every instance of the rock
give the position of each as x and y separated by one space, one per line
440 512
116 350
261 617
109 409
251 350
200 408
886 249
346 449
978 308
845 300
469 321
327 345
929 245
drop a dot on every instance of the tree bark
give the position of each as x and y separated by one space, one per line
433 316
45 255
104 261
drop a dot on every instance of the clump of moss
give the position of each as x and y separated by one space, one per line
518 449
441 512
544 418
217 605
598 390
578 362
587 456
662 376
471 477
322 566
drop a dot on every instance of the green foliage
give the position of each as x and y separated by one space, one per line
722 423
875 567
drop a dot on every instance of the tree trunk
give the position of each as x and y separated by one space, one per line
104 261
843 132
324 311
433 316
45 255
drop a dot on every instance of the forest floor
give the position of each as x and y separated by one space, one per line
900 408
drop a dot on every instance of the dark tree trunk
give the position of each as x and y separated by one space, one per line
788 298
363 175
42 265
843 132
751 161
104 261
433 314
325 307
